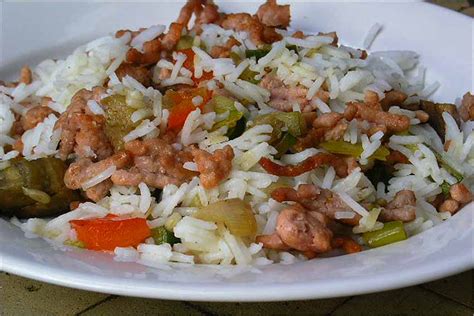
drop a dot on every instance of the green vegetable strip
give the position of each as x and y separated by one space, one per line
161 236
390 233
222 105
354 150
286 142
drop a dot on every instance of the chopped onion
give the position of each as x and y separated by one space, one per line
235 214
37 195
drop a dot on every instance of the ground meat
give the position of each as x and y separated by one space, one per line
224 51
34 116
25 75
396 157
282 97
151 53
272 241
270 35
460 193
303 231
156 163
187 11
139 73
401 208
82 131
247 23
84 169
347 244
274 15
393 122
213 167
467 107
316 199
171 38
393 98
449 205
208 15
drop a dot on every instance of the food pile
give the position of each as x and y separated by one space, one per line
234 140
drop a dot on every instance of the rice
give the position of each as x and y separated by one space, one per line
102 176
371 35
95 108
147 35
356 207
144 128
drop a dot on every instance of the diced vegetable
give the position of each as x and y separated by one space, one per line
435 111
354 150
180 104
34 188
185 42
238 129
257 53
221 105
443 161
110 232
249 75
118 121
286 142
445 187
293 121
235 214
161 236
390 233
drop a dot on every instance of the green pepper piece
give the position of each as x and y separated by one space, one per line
235 58
249 75
185 42
449 168
238 129
221 105
293 121
286 142
257 53
44 174
161 236
354 150
445 187
390 233
118 121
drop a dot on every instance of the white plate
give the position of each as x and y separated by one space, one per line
33 31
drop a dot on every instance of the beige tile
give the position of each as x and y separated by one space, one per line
20 296
138 306
313 307
408 301
452 4
469 11
458 288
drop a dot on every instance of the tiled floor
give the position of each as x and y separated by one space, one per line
450 296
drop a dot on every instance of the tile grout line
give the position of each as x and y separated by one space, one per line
108 298
199 308
422 286
339 305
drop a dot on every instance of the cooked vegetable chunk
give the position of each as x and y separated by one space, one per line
34 188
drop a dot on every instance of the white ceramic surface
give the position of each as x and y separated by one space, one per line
33 31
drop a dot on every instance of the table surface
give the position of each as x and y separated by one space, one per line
450 296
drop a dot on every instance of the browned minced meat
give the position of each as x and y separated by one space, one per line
274 15
247 23
34 116
169 41
393 98
393 122
401 208
460 193
139 73
156 163
328 126
84 169
25 75
299 229
208 14
316 199
467 107
224 51
215 167
81 130
282 97
449 205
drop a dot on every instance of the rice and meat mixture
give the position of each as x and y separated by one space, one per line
231 141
